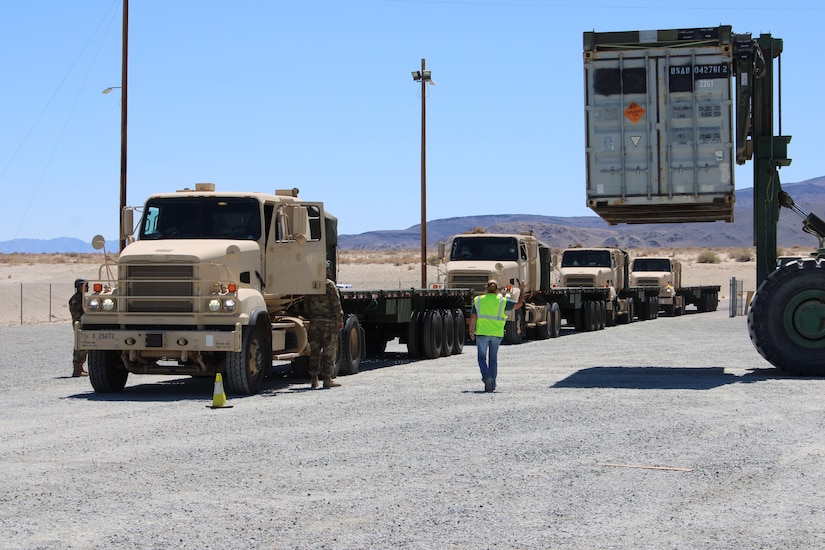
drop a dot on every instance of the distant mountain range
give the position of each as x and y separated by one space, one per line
556 231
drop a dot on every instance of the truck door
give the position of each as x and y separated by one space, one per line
296 249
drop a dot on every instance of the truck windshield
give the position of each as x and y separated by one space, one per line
484 248
201 218
651 264
585 258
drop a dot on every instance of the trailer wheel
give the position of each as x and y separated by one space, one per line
460 327
432 338
106 371
514 330
414 330
349 349
449 332
786 321
245 369
554 319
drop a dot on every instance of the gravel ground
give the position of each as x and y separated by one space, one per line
670 433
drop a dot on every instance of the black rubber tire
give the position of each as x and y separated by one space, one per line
786 320
602 307
460 327
432 337
106 371
449 332
350 346
542 331
514 330
245 370
414 330
587 316
554 319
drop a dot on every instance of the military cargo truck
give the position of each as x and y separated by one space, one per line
476 257
609 268
214 283
666 274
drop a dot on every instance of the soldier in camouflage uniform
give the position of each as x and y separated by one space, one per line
76 309
326 319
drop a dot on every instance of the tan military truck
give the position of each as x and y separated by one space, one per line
214 283
476 257
666 274
609 267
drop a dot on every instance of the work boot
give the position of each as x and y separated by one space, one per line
313 381
329 383
79 371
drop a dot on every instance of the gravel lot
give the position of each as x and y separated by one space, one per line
671 433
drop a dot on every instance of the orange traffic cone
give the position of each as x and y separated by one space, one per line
219 396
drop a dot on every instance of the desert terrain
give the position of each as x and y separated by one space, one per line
35 288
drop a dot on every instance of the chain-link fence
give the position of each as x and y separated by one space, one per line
34 303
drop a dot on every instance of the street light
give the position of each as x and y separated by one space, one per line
424 76
110 88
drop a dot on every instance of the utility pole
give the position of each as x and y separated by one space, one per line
424 76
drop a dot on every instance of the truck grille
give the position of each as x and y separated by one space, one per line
647 282
149 288
585 281
472 281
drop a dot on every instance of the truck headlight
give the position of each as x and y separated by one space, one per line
109 304
229 304
93 304
214 305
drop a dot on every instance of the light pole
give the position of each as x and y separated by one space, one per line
424 76
123 111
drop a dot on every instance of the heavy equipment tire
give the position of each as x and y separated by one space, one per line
786 321
350 345
432 338
106 371
587 316
414 330
542 331
460 327
514 330
449 332
554 319
245 369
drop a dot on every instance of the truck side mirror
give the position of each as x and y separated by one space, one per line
127 218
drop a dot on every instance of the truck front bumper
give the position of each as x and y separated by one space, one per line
159 342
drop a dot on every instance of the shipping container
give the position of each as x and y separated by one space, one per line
659 125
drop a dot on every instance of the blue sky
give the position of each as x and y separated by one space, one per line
256 95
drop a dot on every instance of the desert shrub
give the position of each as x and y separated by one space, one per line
742 255
708 257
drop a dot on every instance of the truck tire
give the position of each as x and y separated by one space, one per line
460 327
106 371
630 313
432 337
245 370
588 313
514 330
785 321
543 326
350 346
449 332
414 330
554 319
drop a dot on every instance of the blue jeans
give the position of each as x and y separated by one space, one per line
485 345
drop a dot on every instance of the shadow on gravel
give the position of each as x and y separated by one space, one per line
662 378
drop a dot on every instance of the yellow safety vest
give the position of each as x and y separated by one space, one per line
490 315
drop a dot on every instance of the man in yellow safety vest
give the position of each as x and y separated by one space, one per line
487 319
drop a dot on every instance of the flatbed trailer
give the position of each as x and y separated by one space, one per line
431 321
705 298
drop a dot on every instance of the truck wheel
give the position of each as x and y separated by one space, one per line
449 332
432 337
514 330
245 369
631 311
554 319
414 330
588 313
460 326
786 321
543 328
349 349
106 371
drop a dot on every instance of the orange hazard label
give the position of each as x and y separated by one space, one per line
634 112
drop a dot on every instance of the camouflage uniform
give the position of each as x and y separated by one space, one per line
325 316
76 310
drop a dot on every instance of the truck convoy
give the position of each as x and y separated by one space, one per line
666 274
214 284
